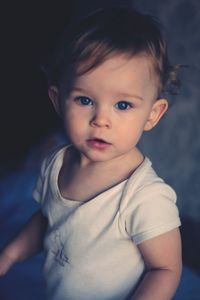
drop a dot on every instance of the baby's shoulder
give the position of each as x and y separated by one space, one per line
146 186
53 158
148 206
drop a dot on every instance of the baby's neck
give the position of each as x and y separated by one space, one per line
84 181
130 160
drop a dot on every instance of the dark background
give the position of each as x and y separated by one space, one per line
29 31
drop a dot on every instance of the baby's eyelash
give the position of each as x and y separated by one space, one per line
83 100
120 105
124 105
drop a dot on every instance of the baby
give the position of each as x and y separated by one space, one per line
108 222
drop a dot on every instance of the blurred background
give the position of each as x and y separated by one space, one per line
30 128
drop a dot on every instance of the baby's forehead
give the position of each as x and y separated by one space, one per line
120 73
122 63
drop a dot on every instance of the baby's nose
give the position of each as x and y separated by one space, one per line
101 118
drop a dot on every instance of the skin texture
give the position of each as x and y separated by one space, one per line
26 244
162 255
117 79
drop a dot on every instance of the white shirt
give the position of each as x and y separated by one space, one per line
91 247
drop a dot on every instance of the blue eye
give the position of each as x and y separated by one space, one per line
84 100
123 105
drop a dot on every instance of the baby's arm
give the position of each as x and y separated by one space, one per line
27 243
162 255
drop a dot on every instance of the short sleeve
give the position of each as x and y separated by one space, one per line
39 186
155 213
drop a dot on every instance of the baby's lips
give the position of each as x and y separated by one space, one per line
98 140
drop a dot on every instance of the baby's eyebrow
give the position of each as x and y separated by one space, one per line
78 89
118 95
127 95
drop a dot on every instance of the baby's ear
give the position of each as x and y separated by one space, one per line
54 97
157 111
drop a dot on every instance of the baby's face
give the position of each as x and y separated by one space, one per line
109 107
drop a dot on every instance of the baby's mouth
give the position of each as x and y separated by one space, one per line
98 143
98 140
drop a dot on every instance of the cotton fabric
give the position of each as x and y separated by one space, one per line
91 247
